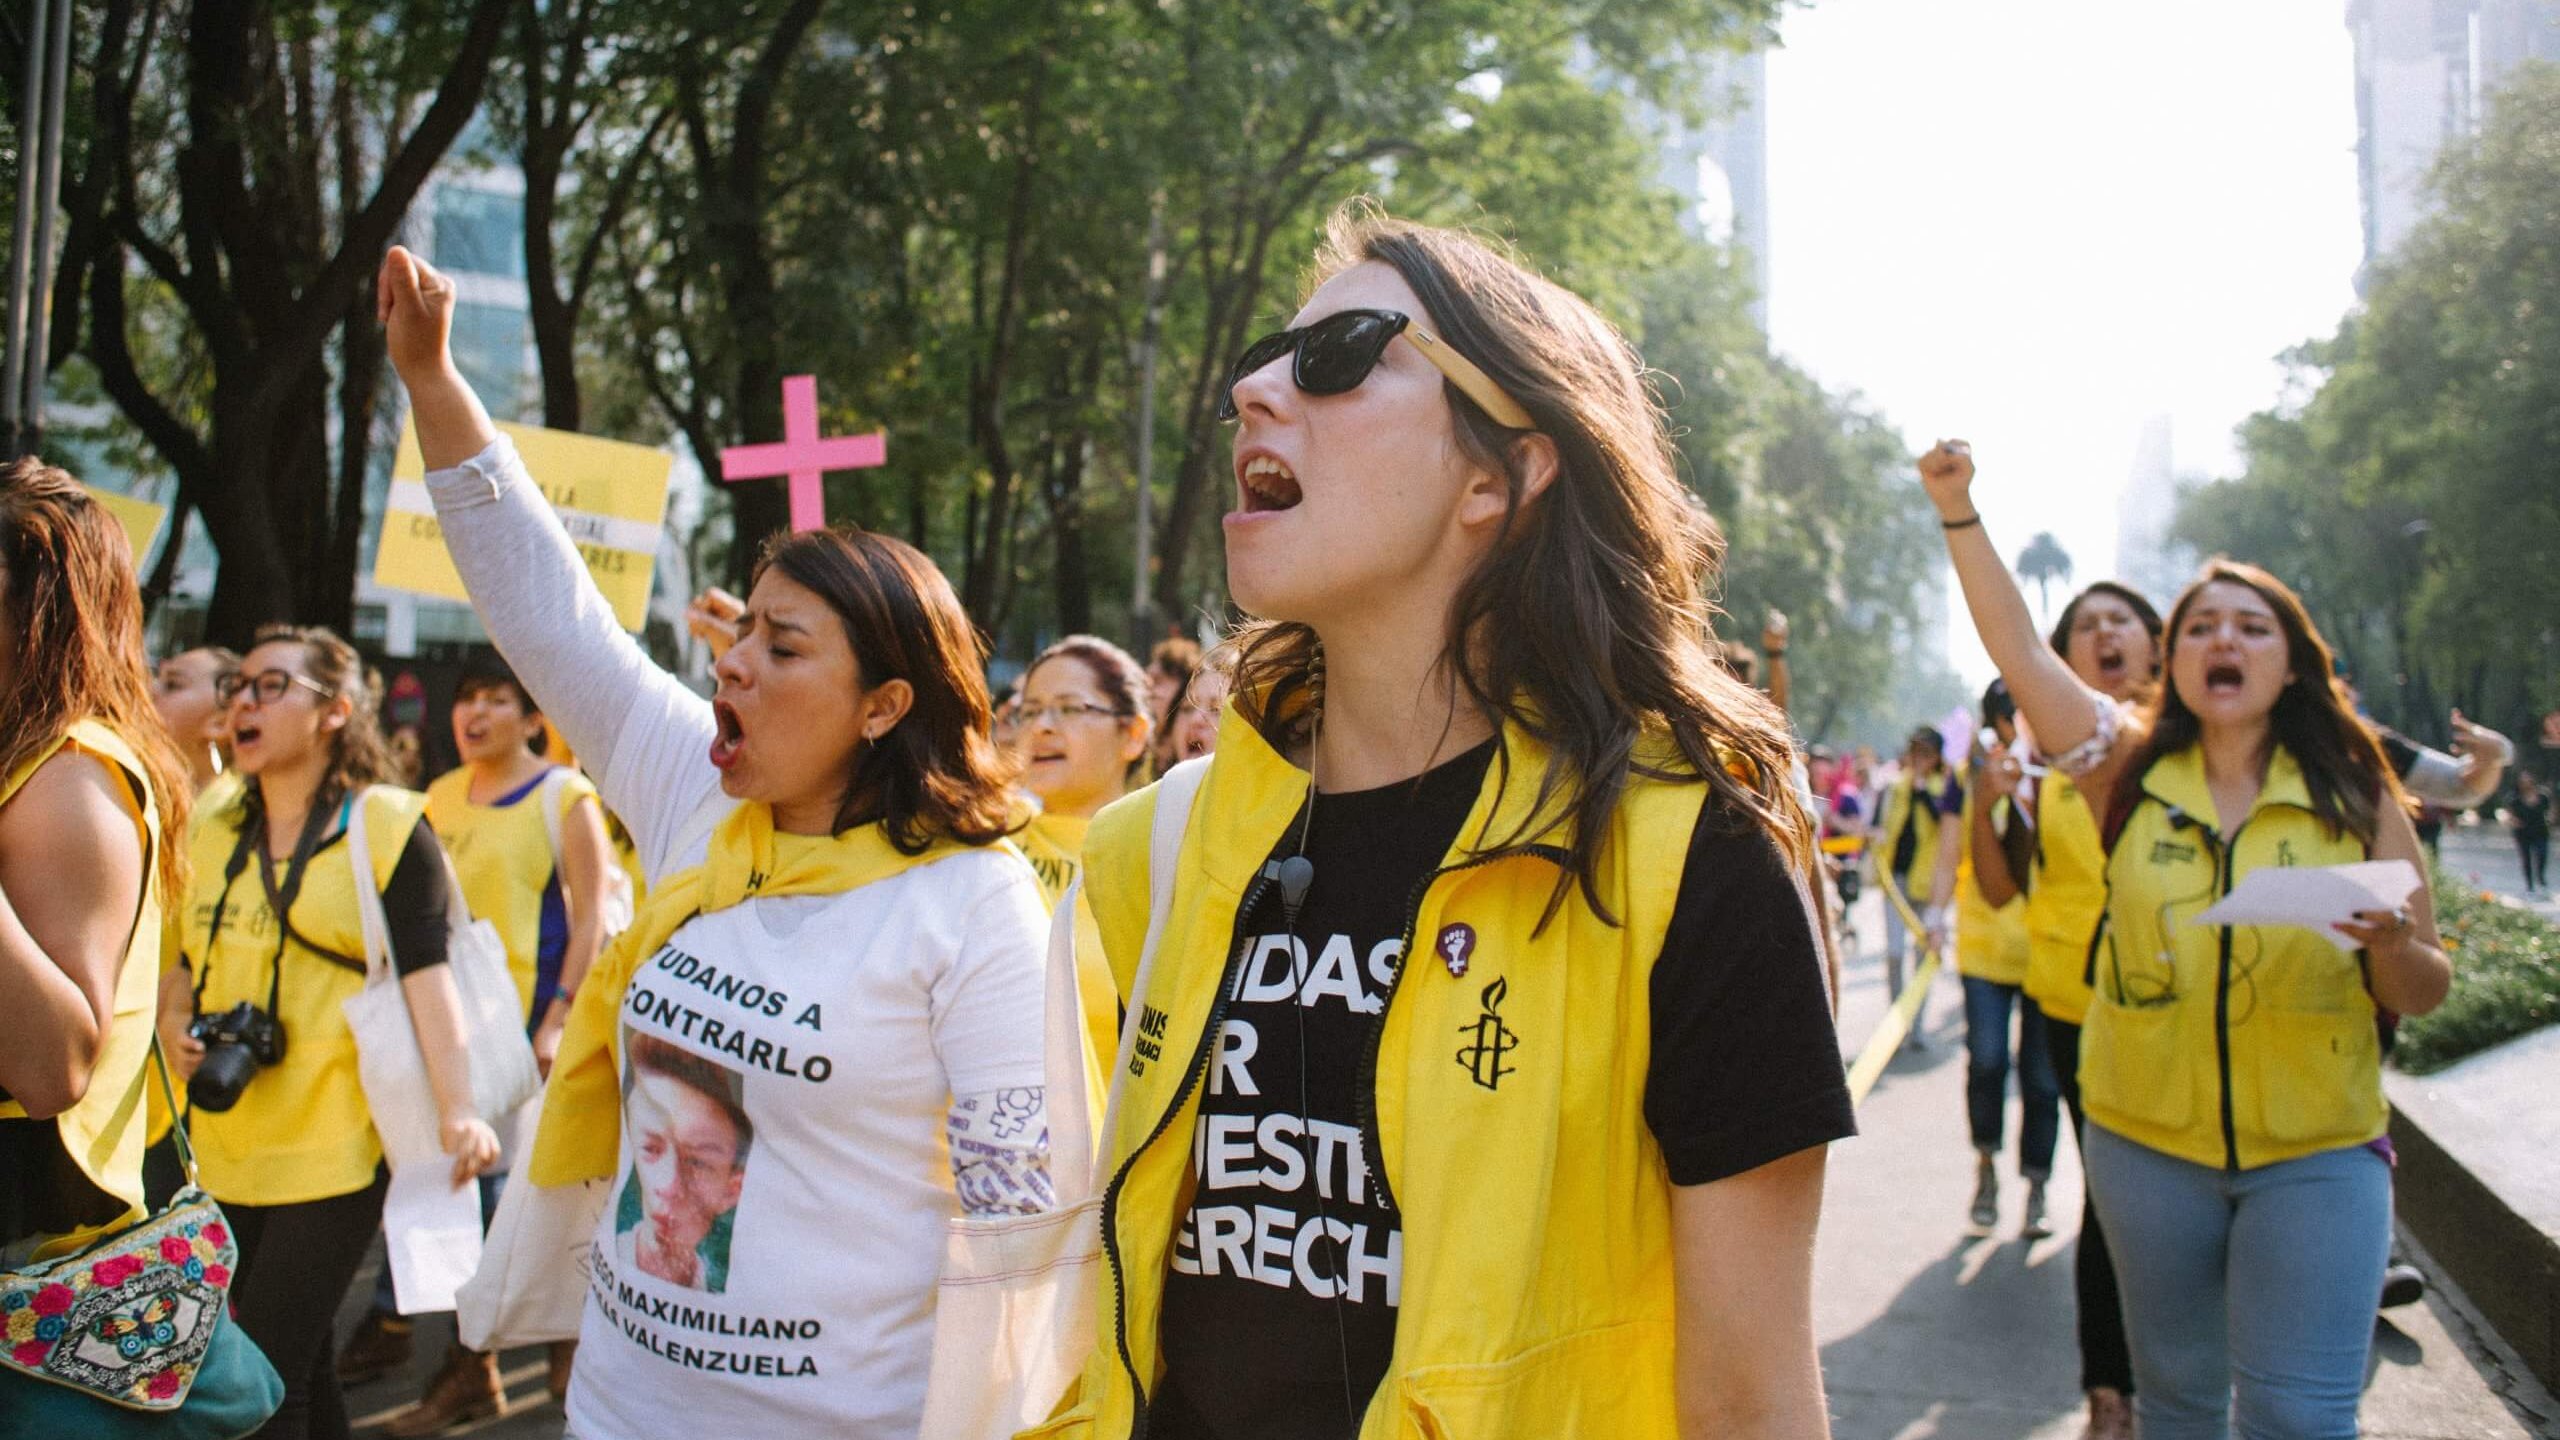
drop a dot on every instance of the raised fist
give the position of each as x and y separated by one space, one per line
1946 472
414 302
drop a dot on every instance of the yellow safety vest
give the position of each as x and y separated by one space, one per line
2063 906
1991 943
2234 1046
1537 1292
1898 808
301 1130
103 1133
502 856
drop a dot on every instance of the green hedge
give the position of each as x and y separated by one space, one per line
2506 979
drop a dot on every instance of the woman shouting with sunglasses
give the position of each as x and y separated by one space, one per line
1480 1081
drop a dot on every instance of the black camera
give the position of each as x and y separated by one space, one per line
236 1043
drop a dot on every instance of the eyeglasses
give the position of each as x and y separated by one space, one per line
1060 713
267 686
1337 352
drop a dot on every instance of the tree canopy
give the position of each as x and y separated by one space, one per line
2410 484
982 224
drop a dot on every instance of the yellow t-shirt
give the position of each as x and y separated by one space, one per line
502 853
1991 942
99 1131
301 1130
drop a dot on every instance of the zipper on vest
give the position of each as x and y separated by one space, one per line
1367 1090
2222 1003
1253 897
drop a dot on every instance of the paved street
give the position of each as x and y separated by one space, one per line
2486 854
1927 1334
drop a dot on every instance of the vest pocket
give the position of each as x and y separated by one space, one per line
1614 1381
2312 1076
2132 1064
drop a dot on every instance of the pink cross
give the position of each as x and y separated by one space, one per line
802 456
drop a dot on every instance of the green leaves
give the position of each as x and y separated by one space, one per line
2414 493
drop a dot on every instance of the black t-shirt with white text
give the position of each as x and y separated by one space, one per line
1279 1315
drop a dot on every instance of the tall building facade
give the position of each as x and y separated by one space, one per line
1720 169
2146 558
2423 71
468 223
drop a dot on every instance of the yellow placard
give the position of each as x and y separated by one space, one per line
612 496
141 519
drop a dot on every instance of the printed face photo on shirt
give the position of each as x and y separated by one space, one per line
686 1120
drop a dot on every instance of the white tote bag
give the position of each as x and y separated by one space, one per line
1013 1319
531 1287
388 1061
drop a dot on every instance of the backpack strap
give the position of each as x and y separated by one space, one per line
548 797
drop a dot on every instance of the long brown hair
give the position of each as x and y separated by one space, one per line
1587 626
78 616
2342 761
937 772
359 755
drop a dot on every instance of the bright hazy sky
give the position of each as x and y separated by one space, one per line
2036 223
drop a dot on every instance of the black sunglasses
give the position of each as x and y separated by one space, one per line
1337 352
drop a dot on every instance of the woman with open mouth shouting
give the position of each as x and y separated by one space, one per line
837 957
2109 636
2231 1074
1082 732
1481 1079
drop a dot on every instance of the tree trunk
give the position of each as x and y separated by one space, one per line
733 193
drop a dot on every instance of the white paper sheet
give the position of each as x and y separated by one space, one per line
2317 898
431 1227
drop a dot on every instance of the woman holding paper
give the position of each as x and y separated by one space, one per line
821 1039
2231 1073
274 948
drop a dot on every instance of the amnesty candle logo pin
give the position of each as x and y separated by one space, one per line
611 496
1490 1041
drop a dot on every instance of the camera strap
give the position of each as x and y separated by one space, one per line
231 869
280 898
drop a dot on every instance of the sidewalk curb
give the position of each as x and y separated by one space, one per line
2505 1263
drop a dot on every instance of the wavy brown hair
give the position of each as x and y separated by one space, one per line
359 754
2341 759
77 616
937 773
1588 624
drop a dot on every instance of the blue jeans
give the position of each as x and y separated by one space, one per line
1987 1004
2249 1290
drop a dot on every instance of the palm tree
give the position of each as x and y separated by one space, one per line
2044 561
